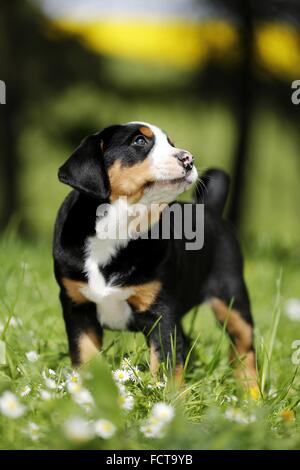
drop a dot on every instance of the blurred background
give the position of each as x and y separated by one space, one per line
215 74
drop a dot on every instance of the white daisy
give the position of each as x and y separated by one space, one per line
46 395
121 388
74 387
33 431
80 395
292 309
78 430
32 356
161 415
26 390
237 416
50 383
162 412
104 428
10 406
83 397
126 401
152 430
73 377
121 375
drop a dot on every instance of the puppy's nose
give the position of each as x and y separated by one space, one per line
186 160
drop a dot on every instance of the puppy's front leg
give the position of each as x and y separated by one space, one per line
83 328
166 344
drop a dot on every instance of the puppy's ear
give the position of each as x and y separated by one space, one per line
85 171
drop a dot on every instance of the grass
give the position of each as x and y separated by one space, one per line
210 412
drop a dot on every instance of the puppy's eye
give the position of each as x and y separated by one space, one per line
140 140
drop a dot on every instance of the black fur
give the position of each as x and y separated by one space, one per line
214 190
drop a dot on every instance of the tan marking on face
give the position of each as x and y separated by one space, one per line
129 181
73 290
144 295
89 345
146 131
242 356
154 360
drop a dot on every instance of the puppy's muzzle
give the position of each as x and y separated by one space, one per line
186 160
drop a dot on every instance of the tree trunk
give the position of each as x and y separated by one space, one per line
244 116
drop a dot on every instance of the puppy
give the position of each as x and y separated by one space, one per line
145 284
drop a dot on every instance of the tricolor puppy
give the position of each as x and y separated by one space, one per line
140 284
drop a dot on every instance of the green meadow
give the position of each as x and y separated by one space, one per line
209 412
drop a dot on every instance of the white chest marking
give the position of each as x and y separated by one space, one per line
113 310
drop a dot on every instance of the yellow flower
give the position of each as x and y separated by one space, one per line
277 47
177 43
254 393
287 415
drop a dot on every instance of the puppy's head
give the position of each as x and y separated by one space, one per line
136 160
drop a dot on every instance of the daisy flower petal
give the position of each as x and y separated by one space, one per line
104 428
33 431
126 401
78 430
10 406
121 375
163 412
292 309
151 430
32 356
26 390
45 395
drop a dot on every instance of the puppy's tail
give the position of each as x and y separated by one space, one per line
212 190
